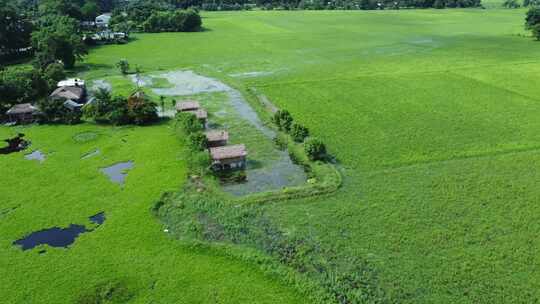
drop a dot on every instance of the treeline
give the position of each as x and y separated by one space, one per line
153 17
135 7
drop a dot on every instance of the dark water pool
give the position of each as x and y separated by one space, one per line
56 236
15 144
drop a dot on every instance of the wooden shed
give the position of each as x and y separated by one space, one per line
22 113
228 157
217 138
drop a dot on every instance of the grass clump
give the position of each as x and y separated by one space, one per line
107 293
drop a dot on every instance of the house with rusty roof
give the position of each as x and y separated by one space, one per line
228 157
217 138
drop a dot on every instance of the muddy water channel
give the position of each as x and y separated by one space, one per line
267 168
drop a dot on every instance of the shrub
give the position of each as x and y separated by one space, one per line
283 120
299 132
119 110
198 141
54 111
189 122
532 18
511 4
315 149
123 66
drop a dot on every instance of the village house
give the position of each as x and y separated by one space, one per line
217 138
228 157
103 20
22 113
76 94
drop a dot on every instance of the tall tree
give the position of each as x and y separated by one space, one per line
58 38
15 30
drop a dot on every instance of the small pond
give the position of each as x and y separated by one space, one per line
58 237
36 155
117 173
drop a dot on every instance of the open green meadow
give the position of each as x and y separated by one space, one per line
433 116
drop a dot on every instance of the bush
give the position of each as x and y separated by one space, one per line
189 122
315 149
283 120
511 4
198 141
299 132
119 110
123 66
54 111
532 18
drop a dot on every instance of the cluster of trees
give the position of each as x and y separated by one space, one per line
155 16
118 110
173 21
15 31
315 149
516 4
532 21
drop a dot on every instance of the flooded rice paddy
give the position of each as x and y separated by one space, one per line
267 168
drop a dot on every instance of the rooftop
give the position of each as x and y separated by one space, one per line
187 105
217 135
22 108
67 92
227 152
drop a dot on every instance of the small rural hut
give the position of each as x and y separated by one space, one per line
228 157
75 93
22 113
217 138
188 105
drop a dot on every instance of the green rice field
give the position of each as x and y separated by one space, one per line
432 115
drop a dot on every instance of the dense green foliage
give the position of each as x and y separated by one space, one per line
532 21
299 132
283 120
15 30
123 66
118 110
198 141
58 38
315 149
172 21
23 84
189 122
54 111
